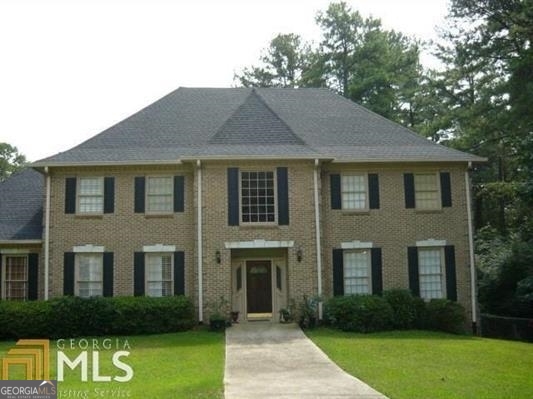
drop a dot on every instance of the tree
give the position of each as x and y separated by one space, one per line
283 62
10 160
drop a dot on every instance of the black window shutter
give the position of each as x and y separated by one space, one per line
377 274
373 191
138 274
449 260
108 274
335 191
179 273
412 260
283 196
233 196
179 193
70 195
140 183
109 194
409 189
445 189
68 273
33 276
338 272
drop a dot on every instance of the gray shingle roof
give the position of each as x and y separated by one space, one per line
21 206
268 122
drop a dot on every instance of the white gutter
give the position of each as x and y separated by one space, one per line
471 249
199 240
47 235
317 237
21 242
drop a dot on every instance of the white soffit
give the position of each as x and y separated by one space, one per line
258 244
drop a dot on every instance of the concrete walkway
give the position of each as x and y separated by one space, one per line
269 360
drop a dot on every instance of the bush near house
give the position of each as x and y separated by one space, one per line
68 317
396 309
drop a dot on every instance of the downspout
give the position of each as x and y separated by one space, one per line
317 238
47 235
471 249
200 243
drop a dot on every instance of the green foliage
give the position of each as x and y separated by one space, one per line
407 309
361 313
444 315
10 160
308 312
68 317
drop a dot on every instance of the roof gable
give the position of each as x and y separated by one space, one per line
254 123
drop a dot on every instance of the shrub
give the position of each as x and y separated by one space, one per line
405 308
445 315
361 313
69 317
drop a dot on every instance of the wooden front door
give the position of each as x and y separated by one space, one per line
259 286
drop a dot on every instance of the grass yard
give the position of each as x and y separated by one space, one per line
432 365
181 365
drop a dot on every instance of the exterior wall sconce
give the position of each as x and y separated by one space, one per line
299 254
218 256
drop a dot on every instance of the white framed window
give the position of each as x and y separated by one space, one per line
91 195
89 274
15 276
159 194
258 197
357 272
427 191
354 191
159 274
430 272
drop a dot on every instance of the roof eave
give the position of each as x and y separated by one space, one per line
408 160
43 164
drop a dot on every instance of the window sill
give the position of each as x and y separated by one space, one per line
158 215
355 212
259 225
422 211
89 215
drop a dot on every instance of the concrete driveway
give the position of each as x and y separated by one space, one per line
269 360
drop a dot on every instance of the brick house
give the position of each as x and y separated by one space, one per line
259 196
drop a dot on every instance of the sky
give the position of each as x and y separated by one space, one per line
69 69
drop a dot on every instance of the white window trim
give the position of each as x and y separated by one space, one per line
159 248
431 242
442 271
146 195
367 192
258 244
88 249
172 260
275 187
3 265
79 195
356 244
369 269
77 272
439 190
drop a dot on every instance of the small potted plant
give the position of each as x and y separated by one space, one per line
285 315
235 316
218 319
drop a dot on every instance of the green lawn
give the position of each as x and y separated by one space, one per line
421 364
181 365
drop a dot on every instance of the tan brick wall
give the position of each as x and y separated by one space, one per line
394 228
302 275
123 232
